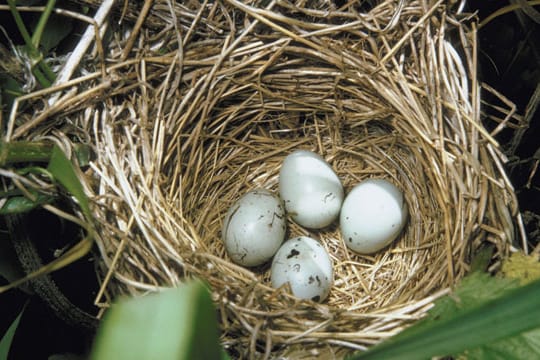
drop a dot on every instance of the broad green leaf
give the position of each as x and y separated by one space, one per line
525 269
482 310
7 339
523 346
474 290
178 323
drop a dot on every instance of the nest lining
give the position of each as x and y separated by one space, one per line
180 135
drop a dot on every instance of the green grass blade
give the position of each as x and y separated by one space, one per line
7 339
510 315
62 170
179 323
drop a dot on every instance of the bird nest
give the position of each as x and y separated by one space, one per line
200 103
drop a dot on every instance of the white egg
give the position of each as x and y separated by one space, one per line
310 188
254 228
304 263
372 216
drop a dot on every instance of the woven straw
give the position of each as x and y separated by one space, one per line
213 96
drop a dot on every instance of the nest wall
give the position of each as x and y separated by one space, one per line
204 110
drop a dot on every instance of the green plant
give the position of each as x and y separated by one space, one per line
60 170
35 174
40 69
483 314
7 339
21 159
178 323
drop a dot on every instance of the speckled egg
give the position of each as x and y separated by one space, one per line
310 188
254 228
304 263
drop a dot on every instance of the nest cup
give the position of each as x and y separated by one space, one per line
242 106
206 110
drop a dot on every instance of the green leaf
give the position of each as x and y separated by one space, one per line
10 89
62 170
83 153
7 339
57 29
22 204
474 290
42 72
10 269
482 310
525 269
178 323
42 23
24 151
524 346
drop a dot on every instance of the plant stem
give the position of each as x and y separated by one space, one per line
36 40
24 151
48 73
41 78
40 27
505 10
19 22
32 43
